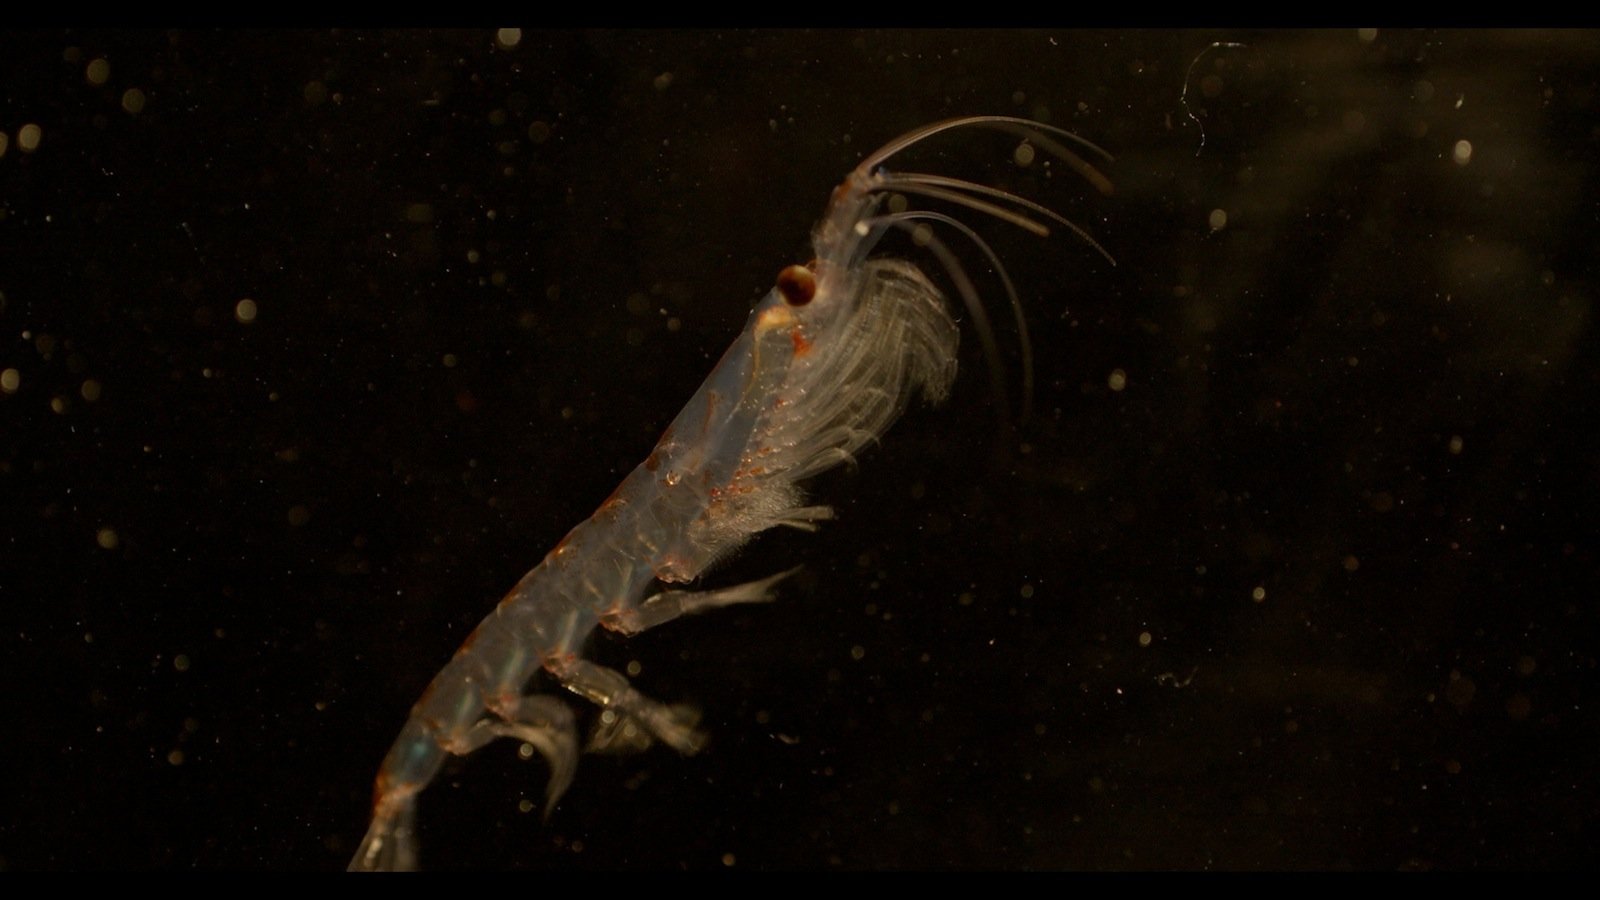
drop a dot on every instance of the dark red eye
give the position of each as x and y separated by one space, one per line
797 285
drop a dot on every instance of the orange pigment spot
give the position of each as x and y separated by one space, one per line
669 569
561 545
611 619
504 704
612 501
711 409
556 662
380 792
426 693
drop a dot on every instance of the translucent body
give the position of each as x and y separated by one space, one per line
825 364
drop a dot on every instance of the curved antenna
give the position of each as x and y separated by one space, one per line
871 178
918 135
1037 132
1077 163
901 180
912 186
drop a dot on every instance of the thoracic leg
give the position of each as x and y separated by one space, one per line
543 721
608 689
668 605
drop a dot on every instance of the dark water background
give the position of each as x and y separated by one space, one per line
1315 589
